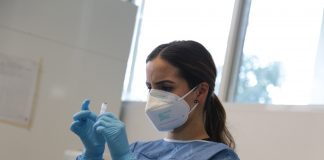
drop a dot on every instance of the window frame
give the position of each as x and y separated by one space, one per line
234 51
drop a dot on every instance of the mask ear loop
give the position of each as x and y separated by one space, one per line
195 106
195 101
184 96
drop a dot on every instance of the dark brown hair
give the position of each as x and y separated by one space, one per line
196 65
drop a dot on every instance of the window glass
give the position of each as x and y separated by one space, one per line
283 54
162 21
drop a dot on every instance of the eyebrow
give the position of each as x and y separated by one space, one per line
161 82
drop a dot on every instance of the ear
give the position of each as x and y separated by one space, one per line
202 92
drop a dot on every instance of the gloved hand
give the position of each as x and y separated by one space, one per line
83 126
113 130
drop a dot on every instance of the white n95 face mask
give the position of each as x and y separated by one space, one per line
166 110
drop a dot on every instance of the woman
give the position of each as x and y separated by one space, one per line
181 78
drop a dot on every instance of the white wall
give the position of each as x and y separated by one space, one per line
260 132
83 47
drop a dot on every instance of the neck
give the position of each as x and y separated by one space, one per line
193 129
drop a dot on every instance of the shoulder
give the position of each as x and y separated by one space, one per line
215 151
226 154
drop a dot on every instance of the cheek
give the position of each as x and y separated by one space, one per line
190 99
181 90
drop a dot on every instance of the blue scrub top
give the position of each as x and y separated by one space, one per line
167 149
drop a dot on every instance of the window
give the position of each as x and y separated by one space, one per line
162 21
283 53
272 52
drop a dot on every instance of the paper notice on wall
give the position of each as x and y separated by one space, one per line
18 78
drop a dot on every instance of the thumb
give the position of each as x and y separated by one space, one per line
85 105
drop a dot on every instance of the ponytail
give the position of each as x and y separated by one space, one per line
215 122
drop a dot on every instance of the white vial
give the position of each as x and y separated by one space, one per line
103 108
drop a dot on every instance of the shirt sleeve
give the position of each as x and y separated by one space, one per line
226 154
132 146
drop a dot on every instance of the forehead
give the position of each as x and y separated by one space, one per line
159 69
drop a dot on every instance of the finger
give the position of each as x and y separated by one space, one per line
85 105
76 126
108 114
108 122
107 119
108 127
100 129
83 115
101 123
104 126
92 116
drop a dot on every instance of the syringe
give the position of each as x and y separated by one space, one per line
103 108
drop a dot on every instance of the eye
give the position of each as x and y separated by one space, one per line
149 87
166 88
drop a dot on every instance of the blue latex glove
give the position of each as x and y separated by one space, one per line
83 126
114 132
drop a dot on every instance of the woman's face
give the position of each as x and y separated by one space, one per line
162 75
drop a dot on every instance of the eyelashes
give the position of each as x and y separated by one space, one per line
162 87
166 88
